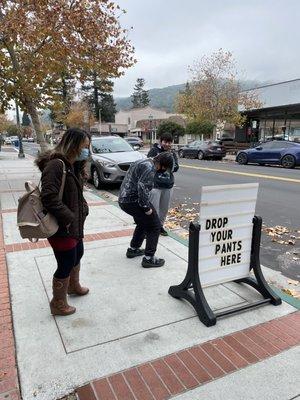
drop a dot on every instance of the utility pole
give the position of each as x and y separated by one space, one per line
21 151
99 119
150 126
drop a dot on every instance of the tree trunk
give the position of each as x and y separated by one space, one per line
96 99
37 125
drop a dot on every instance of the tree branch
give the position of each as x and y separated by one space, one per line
39 46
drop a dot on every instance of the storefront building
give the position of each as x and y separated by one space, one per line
279 114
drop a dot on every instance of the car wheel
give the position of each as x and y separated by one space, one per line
181 154
242 159
200 155
96 178
288 161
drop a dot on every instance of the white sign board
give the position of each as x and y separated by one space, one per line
226 214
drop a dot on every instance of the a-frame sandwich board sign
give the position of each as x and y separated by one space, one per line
224 247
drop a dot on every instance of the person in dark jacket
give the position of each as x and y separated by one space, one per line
134 199
161 194
70 213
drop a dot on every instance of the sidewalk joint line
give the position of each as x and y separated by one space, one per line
132 334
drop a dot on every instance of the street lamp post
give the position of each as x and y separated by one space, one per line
21 151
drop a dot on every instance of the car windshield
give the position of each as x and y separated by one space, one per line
110 145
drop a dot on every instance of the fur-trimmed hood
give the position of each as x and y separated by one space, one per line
43 158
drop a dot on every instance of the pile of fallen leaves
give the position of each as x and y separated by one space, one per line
181 216
295 290
282 235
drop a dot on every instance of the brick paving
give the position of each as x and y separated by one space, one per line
176 373
90 203
9 385
10 248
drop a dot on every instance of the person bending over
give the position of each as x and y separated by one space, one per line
134 199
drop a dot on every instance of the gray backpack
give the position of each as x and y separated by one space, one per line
32 220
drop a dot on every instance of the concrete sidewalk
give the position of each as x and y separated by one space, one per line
129 339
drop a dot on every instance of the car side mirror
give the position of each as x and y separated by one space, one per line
258 148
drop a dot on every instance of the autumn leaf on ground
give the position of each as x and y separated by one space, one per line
184 234
293 282
292 292
281 235
277 230
278 241
171 225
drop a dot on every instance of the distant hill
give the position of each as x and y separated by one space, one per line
160 98
164 97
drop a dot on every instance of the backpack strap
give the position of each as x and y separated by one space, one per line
63 181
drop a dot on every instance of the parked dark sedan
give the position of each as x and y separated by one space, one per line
279 152
203 149
135 142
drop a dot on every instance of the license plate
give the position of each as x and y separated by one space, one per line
219 149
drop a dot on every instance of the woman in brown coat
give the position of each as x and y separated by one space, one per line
70 213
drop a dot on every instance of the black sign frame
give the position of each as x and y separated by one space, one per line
190 288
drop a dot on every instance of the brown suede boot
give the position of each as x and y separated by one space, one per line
59 304
74 286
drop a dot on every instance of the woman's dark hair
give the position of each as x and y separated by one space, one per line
165 160
70 143
167 137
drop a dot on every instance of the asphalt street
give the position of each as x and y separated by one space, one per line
278 202
279 189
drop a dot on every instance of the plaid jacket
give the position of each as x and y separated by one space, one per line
138 183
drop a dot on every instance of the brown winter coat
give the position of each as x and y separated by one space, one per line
71 211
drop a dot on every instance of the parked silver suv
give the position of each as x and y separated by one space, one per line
111 157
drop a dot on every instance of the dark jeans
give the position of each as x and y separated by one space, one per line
147 226
67 259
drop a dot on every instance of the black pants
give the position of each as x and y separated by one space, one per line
67 259
147 226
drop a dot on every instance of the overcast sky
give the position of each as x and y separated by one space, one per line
168 35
